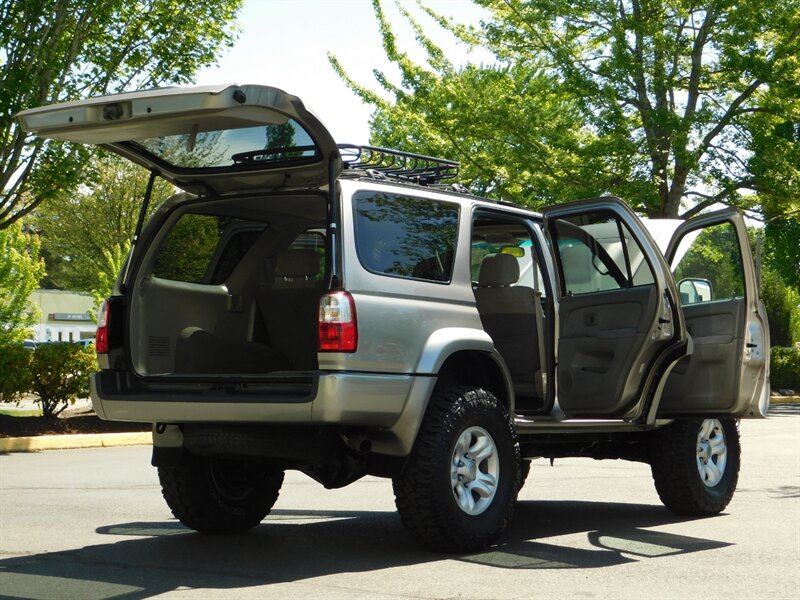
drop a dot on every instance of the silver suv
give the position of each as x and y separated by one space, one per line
346 311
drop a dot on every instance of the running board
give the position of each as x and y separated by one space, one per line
524 425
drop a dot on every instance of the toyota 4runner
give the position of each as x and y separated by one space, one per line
345 310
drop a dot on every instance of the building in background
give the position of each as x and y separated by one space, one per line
65 316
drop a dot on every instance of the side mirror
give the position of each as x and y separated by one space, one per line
694 291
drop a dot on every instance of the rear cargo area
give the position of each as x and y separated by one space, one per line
230 287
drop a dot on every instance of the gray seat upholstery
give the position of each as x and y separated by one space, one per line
290 306
508 316
198 351
296 268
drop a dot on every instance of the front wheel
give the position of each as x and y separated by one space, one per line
220 495
457 491
695 465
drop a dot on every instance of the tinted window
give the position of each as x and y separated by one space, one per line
205 248
226 147
232 251
492 236
406 237
597 252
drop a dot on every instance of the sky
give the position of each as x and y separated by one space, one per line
285 44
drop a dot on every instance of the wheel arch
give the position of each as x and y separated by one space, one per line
479 369
450 358
462 355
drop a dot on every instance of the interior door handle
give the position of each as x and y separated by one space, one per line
750 345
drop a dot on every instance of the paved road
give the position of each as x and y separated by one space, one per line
91 524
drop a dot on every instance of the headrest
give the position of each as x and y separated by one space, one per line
500 269
298 262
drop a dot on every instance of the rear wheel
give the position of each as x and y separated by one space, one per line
220 495
457 491
695 465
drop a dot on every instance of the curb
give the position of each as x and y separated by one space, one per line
74 441
773 400
145 438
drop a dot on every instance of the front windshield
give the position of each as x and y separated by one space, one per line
227 147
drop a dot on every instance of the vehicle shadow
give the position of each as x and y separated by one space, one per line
615 535
297 545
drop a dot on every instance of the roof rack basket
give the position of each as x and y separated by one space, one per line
416 168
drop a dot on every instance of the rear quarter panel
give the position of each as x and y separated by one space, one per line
397 316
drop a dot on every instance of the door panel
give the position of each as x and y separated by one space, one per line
727 372
618 318
707 381
595 359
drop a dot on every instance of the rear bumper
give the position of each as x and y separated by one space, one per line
385 408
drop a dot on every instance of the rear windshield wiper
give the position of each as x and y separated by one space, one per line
274 154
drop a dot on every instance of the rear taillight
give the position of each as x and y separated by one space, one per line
338 331
101 336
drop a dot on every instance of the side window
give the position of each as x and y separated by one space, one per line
403 236
597 252
231 252
205 248
708 265
491 237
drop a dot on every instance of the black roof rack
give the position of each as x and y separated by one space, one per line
416 168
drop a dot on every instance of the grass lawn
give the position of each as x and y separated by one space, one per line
21 412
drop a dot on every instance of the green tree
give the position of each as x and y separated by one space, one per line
87 235
517 134
20 272
59 375
777 301
783 247
187 250
14 368
663 96
58 50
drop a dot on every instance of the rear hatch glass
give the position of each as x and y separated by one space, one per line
203 139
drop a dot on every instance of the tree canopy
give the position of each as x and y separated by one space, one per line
672 105
86 236
20 271
59 50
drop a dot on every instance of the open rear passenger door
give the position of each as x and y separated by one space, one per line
619 323
728 372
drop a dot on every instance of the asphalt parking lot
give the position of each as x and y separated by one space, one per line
91 524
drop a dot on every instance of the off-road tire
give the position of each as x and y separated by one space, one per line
424 491
220 495
674 465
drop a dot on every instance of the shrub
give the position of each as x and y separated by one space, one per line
785 368
15 375
60 375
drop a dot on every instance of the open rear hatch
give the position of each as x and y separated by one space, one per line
225 286
203 139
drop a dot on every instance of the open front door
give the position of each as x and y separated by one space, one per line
618 323
728 372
